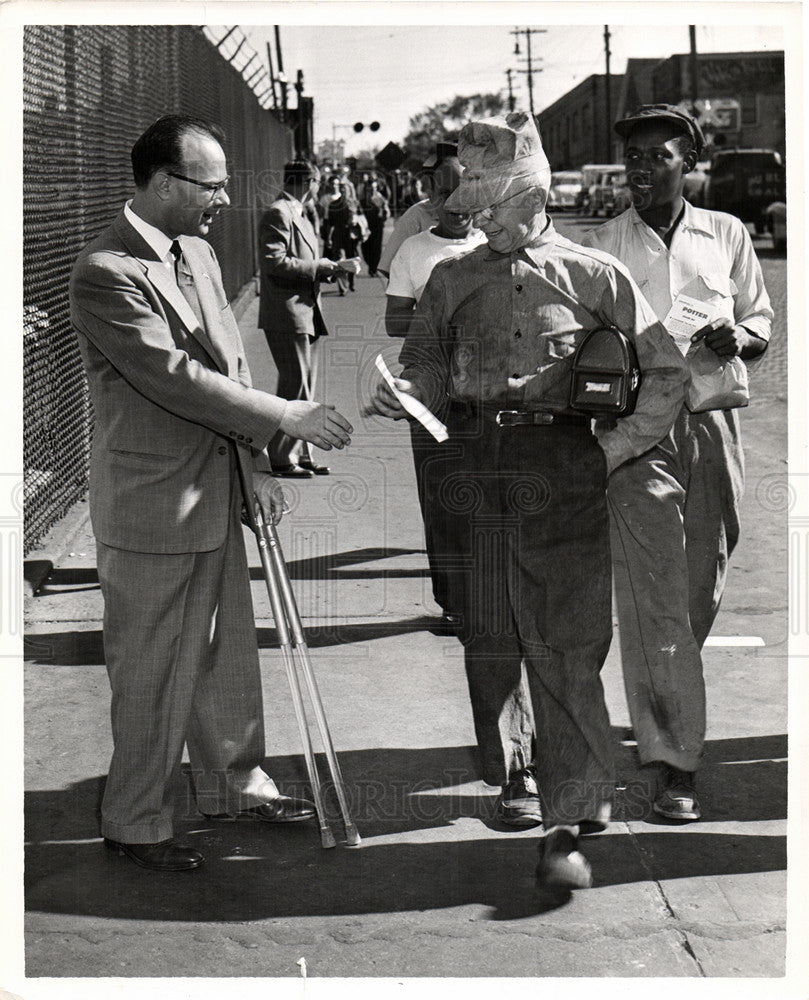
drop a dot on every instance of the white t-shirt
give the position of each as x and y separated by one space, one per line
418 255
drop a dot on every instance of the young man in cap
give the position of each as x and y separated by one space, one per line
496 330
677 506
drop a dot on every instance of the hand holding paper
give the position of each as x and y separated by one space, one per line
407 402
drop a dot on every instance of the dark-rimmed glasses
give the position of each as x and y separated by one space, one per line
213 189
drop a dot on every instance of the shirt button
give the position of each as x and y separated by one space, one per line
518 334
518 288
222 450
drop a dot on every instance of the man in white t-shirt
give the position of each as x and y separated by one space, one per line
507 746
441 178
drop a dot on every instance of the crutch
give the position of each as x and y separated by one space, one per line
269 537
285 613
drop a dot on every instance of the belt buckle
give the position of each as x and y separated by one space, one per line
506 418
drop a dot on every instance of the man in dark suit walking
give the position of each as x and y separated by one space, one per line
289 310
177 425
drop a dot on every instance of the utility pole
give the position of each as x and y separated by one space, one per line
510 91
692 62
529 71
281 75
607 92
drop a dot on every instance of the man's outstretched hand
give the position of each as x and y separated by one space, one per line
318 423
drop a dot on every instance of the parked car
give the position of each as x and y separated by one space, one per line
617 197
594 177
565 189
777 224
744 182
696 182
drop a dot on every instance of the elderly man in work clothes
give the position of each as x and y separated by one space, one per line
675 509
177 428
496 330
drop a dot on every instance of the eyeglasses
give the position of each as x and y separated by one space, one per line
212 189
489 211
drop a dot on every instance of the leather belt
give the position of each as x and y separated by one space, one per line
518 418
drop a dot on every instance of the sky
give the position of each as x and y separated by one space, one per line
389 73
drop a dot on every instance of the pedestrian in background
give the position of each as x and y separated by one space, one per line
177 432
340 229
675 509
291 270
496 330
376 209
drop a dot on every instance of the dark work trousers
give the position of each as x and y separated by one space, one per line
433 463
532 500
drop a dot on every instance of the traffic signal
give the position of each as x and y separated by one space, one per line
359 126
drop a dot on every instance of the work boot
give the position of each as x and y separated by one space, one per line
678 798
519 800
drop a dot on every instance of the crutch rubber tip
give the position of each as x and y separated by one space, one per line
327 839
353 839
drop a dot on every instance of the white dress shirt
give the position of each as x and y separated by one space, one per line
711 258
157 240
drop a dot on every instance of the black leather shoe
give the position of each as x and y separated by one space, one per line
281 809
292 472
318 470
560 861
165 856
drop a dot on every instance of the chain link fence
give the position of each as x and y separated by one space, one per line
89 92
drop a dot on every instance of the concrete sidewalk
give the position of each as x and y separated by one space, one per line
438 887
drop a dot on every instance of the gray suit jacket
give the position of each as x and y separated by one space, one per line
290 292
171 395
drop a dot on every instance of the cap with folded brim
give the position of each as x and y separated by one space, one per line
662 112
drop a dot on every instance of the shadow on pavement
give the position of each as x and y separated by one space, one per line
254 871
328 567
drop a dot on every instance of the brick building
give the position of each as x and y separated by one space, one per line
574 130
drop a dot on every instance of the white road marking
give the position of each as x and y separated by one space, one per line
734 640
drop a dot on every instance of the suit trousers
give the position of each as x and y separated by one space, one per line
181 654
296 357
675 521
537 596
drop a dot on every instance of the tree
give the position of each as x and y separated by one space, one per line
443 122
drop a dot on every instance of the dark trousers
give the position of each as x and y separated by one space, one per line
535 533
372 247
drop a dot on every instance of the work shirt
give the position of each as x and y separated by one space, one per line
501 329
711 258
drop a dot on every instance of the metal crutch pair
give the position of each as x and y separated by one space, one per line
292 640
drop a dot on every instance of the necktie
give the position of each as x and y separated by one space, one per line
176 253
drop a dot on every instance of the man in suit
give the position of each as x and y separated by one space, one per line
176 425
289 309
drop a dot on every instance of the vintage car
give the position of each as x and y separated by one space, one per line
744 182
565 190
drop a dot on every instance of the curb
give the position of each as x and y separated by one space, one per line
39 563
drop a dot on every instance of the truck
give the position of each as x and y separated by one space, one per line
744 182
